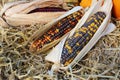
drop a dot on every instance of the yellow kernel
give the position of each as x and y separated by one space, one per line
96 21
57 30
95 26
70 60
89 26
77 44
76 35
87 38
68 47
66 63
85 28
70 51
90 33
82 30
92 24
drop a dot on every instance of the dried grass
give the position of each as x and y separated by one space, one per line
17 63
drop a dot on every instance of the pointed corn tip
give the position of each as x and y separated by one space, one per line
32 48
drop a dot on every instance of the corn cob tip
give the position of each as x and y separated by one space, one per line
32 48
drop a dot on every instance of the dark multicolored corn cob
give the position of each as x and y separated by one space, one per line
58 30
48 9
80 38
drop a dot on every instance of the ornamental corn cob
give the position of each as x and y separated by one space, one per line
80 38
58 30
48 9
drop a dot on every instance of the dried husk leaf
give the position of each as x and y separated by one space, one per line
9 5
27 7
3 23
28 19
16 13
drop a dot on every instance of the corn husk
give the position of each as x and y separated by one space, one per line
16 13
41 31
3 23
27 19
55 55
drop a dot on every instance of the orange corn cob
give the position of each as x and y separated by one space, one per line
58 30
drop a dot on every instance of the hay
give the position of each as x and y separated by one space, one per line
17 63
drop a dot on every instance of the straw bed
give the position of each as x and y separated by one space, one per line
17 63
